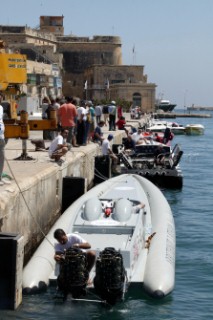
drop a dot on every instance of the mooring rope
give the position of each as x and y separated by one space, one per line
21 192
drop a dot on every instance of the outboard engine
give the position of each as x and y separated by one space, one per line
125 160
73 275
110 278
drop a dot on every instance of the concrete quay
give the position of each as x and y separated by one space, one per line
183 115
32 202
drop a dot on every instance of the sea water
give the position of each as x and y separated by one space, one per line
192 207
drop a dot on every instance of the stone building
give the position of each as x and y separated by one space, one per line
90 68
44 64
126 82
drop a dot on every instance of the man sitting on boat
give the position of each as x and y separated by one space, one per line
138 137
72 240
160 155
168 136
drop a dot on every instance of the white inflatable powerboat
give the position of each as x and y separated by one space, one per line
144 238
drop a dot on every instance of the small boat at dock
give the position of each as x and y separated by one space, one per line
143 160
111 218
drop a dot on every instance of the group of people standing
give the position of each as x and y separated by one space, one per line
75 124
78 125
110 112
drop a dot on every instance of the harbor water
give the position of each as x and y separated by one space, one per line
193 213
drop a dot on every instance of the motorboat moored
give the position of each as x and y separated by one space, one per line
194 129
143 160
160 126
111 218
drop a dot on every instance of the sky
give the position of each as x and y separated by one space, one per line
172 39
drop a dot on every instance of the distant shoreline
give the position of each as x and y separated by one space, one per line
199 108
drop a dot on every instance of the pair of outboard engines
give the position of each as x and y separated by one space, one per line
109 281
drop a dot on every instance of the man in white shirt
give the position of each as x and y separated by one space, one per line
59 146
98 113
106 150
112 116
72 240
2 143
81 124
138 137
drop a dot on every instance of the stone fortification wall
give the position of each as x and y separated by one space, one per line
78 56
98 38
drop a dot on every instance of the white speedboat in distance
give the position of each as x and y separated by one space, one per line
109 216
194 129
160 126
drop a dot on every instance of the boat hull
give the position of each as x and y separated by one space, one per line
165 108
163 178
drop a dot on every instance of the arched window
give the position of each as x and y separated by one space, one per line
137 99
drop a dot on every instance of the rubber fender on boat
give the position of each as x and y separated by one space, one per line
123 209
92 209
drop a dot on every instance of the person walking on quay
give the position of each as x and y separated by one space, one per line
66 116
112 116
81 124
53 106
98 113
105 111
88 123
74 137
45 109
91 119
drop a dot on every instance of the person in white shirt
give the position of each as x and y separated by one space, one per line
59 147
112 116
138 137
98 113
72 240
106 150
2 144
81 124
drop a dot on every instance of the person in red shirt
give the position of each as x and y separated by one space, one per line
121 123
67 114
158 138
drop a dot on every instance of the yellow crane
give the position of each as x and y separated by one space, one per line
13 74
